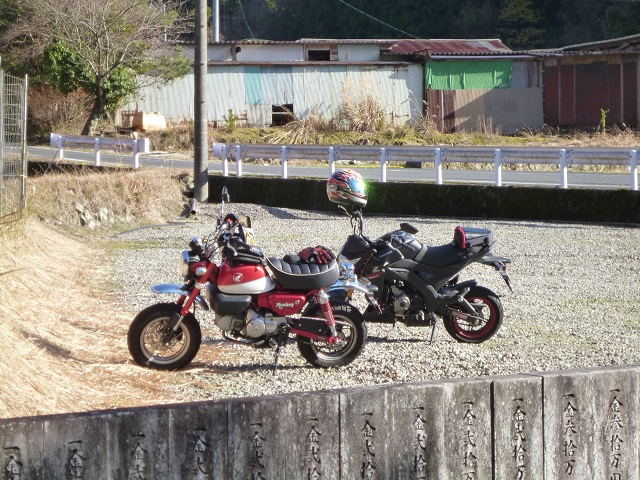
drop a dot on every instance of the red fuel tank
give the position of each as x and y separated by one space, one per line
244 279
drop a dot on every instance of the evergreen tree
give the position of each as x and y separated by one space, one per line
519 25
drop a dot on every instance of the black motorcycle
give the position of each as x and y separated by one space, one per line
415 282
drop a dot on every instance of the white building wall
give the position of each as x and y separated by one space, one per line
270 53
358 53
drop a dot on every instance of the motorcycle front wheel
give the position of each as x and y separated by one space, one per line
489 315
351 329
146 344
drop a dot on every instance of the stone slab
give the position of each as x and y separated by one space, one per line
467 434
518 446
591 423
75 447
287 436
198 439
416 446
22 453
365 434
138 444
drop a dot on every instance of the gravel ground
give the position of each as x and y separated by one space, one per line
576 302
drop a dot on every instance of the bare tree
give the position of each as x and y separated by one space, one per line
105 35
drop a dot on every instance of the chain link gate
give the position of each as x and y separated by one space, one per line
13 149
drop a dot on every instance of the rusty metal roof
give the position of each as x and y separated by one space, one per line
450 47
628 43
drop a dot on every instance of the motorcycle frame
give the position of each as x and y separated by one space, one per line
187 299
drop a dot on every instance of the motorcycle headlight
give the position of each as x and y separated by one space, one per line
185 261
347 271
183 267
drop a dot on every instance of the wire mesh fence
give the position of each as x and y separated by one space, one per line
13 165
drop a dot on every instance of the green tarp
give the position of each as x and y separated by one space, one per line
469 74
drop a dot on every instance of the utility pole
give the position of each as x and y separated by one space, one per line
201 154
215 35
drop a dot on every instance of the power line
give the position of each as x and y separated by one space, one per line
376 19
245 19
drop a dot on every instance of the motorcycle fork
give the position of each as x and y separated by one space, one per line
186 302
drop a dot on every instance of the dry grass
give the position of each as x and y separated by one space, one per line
124 196
62 334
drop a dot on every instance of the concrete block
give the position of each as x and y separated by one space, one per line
198 441
591 423
22 455
518 428
75 447
416 447
139 444
467 429
365 434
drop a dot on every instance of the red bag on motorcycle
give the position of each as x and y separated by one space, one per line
319 255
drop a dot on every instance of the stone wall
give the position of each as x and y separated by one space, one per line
579 424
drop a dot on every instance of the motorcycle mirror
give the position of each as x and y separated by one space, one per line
407 227
224 198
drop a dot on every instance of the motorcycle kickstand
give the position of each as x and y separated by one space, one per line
431 317
281 340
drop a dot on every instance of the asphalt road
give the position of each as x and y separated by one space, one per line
509 177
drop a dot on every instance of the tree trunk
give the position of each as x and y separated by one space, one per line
97 111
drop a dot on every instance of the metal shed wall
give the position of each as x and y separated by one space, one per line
508 110
579 89
251 90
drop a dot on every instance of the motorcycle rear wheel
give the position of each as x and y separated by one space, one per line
145 338
488 306
350 327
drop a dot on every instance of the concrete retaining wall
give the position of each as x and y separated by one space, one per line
580 424
461 201
409 198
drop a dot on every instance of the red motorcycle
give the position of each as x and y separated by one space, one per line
227 274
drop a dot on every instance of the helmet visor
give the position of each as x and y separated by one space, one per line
356 185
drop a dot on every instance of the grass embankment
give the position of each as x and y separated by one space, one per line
62 332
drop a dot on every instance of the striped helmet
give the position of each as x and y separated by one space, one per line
346 187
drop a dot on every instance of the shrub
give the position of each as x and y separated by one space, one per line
49 111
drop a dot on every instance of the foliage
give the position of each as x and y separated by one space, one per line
64 69
520 24
97 45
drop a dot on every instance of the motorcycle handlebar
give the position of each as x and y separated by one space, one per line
394 249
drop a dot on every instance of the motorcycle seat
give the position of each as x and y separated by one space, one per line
440 256
291 272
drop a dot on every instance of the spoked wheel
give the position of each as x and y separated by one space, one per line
351 329
147 346
481 326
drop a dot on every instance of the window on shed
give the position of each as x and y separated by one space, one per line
281 114
318 55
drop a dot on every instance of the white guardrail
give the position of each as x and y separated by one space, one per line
136 145
564 158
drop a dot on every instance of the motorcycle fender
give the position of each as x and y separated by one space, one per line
166 288
337 293
492 259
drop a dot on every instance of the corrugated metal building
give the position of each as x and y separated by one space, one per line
462 85
259 81
591 82
473 85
